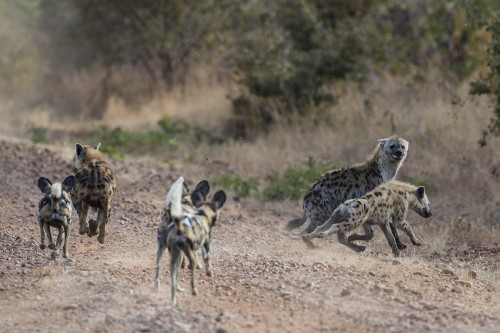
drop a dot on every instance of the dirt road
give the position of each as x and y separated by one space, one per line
265 279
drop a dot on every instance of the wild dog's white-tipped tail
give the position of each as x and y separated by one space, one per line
174 198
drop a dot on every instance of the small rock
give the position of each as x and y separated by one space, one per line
70 307
345 292
371 273
448 272
465 283
442 289
457 289
473 274
221 330
429 306
396 262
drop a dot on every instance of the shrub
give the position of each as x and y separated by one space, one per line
236 184
294 182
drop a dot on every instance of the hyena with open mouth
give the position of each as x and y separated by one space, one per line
54 210
339 185
95 187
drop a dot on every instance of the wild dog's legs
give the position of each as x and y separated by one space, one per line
82 209
409 231
390 237
394 231
49 236
206 258
58 242
174 270
67 228
343 240
42 233
159 254
192 261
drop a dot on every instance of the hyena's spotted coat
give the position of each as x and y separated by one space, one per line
386 203
95 187
339 185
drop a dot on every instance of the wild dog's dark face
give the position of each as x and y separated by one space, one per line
421 205
56 203
395 148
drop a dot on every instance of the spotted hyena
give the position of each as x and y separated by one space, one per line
95 187
339 185
54 210
387 203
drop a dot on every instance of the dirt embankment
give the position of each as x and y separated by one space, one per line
265 279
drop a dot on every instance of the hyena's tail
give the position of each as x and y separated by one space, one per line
295 223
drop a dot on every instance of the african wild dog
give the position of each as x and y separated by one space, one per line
95 187
191 231
339 185
167 223
54 210
388 202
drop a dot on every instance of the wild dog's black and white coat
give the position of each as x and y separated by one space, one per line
167 223
54 210
191 231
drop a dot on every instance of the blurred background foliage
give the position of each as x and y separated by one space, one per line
286 57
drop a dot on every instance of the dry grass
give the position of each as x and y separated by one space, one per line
442 123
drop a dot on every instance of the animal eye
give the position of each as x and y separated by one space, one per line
403 147
392 146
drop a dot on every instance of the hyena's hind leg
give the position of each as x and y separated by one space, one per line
343 240
82 210
103 220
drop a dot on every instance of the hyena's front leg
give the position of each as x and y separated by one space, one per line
409 231
394 231
390 238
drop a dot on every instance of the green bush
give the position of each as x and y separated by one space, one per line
39 135
295 181
236 184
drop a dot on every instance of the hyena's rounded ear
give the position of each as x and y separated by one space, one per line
68 183
44 184
381 142
98 146
219 199
79 150
420 192
203 187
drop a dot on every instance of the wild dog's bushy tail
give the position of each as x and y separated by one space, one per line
173 201
295 223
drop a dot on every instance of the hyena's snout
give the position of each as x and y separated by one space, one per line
426 213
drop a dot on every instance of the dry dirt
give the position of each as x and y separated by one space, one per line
265 279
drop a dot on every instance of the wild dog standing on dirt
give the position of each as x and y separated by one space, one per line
54 210
95 187
191 231
339 185
386 203
167 223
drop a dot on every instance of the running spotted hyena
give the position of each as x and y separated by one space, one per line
388 203
339 185
95 187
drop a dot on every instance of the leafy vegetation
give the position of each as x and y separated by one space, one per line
39 135
237 185
295 181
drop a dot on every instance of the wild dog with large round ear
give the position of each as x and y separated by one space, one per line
54 210
190 232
